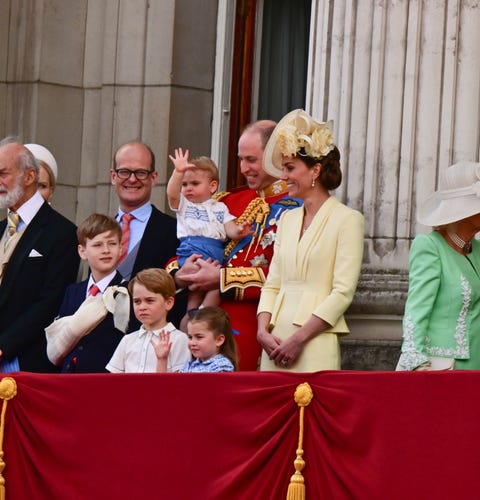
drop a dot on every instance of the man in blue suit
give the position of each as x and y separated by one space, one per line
38 259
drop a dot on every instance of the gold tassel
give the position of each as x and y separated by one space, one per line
296 489
256 211
8 390
261 221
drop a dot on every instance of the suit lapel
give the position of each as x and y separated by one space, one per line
147 242
79 292
25 245
117 279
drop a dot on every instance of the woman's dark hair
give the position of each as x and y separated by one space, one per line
330 175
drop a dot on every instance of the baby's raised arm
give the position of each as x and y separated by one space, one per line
174 186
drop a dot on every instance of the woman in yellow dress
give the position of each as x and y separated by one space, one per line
317 256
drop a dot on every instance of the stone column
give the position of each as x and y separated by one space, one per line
84 76
401 80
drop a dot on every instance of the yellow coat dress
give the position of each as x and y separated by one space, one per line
315 274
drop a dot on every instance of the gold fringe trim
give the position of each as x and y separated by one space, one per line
257 211
296 489
8 390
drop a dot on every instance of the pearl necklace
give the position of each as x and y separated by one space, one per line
465 246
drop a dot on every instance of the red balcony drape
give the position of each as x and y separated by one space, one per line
234 436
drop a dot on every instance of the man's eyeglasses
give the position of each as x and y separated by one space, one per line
125 173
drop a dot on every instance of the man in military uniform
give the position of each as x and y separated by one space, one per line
242 275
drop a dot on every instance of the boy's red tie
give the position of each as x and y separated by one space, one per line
93 290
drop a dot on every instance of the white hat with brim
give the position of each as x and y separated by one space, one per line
43 154
459 199
272 156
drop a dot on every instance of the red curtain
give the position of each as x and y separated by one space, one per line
234 436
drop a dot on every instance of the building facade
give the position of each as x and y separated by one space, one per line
400 79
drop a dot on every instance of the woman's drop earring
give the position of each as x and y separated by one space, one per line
313 183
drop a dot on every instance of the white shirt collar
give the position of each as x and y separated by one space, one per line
169 327
141 213
30 208
102 284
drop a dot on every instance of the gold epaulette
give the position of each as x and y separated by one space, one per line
219 196
275 189
241 277
172 266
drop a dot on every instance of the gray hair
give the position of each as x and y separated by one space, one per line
25 158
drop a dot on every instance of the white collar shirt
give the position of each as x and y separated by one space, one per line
29 209
135 353
102 284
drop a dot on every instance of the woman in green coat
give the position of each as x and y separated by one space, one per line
441 324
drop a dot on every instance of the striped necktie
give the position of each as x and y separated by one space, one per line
93 290
13 220
126 218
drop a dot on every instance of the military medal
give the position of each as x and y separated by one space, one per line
273 220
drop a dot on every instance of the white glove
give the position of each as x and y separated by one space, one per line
117 301
64 333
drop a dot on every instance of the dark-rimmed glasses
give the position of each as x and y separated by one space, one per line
140 174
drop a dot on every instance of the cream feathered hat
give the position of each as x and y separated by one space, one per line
297 130
458 199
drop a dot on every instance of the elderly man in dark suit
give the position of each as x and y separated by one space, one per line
38 256
149 236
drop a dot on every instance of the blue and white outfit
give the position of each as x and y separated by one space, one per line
201 228
218 363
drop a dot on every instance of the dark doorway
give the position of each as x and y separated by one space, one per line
282 70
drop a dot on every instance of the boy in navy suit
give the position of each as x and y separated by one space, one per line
99 238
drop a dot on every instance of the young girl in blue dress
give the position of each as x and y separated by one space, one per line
210 340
